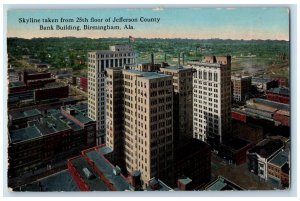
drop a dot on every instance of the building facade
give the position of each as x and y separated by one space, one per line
212 99
280 94
143 127
241 88
98 61
182 101
259 156
49 140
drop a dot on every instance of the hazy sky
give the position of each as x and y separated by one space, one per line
196 23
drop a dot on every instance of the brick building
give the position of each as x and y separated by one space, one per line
280 94
278 169
192 159
241 87
84 83
51 91
260 155
182 101
50 139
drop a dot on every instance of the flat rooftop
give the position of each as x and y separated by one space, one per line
269 103
189 148
80 112
223 184
281 91
176 68
148 75
50 124
94 183
16 84
280 159
267 147
236 143
67 121
261 80
200 63
25 114
157 185
106 168
61 181
24 134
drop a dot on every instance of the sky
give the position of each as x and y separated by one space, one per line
194 23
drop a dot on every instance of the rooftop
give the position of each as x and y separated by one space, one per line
79 112
185 180
239 77
157 185
223 184
189 148
61 181
280 159
267 147
200 63
24 134
94 182
70 123
16 84
261 80
269 103
148 75
107 169
280 90
50 124
25 114
236 143
176 68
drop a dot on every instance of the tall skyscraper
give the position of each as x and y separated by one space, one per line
212 99
144 122
98 61
182 101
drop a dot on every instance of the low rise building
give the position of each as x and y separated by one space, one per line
48 140
280 94
223 184
278 168
259 156
19 119
235 150
192 159
264 84
257 108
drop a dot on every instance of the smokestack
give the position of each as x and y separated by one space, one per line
182 58
152 59
178 59
165 57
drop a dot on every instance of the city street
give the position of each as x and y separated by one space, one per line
237 174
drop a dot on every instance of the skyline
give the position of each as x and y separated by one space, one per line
222 23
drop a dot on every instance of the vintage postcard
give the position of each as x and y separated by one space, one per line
148 99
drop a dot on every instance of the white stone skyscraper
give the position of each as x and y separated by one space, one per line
212 99
98 61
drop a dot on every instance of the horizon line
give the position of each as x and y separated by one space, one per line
153 38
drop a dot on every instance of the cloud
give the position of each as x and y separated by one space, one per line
157 9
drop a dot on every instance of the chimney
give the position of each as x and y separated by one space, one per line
136 179
182 58
178 59
152 59
165 57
